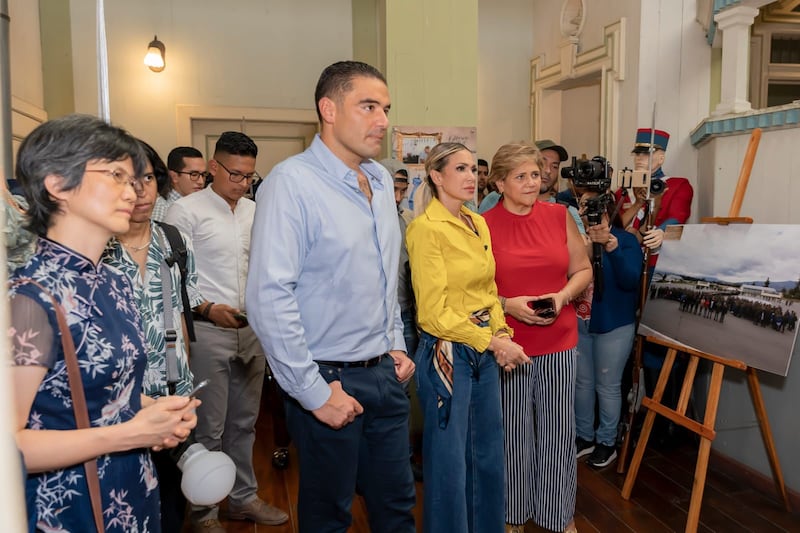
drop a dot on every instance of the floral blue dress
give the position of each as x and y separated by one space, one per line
106 329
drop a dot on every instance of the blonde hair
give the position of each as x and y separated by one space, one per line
512 155
437 160
422 197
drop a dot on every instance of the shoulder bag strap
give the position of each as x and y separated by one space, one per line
170 334
78 399
179 255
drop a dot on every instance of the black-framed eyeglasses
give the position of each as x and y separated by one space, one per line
238 177
194 175
119 176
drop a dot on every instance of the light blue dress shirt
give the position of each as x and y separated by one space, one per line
322 283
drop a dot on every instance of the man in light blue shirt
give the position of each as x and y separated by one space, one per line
322 298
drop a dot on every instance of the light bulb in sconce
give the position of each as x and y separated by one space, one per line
155 55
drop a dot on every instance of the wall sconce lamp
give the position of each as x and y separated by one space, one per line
155 55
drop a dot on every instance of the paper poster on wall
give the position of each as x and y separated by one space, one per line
731 291
411 145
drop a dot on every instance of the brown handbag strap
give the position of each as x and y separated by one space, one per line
78 398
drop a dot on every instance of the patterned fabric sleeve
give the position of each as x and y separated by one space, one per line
32 337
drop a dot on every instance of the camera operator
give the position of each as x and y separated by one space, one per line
672 195
606 337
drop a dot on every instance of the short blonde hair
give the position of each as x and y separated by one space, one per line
512 155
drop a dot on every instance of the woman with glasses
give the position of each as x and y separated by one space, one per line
463 342
77 174
541 267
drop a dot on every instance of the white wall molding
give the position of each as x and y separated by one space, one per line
605 63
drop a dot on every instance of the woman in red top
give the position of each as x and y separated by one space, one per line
541 266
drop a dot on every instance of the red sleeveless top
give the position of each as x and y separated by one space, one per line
532 259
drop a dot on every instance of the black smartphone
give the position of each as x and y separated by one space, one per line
241 317
545 308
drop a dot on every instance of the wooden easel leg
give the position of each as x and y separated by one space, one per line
699 485
766 434
649 419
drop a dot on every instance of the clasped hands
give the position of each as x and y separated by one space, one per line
507 353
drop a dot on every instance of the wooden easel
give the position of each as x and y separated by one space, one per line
705 430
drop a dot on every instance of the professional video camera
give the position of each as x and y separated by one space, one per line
589 174
593 175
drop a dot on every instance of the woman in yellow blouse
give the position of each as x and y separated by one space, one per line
462 323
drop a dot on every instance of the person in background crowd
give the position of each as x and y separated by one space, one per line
553 155
218 220
606 338
139 254
541 267
187 174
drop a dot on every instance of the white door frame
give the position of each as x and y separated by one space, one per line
186 113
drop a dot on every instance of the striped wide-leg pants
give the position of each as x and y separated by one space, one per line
539 423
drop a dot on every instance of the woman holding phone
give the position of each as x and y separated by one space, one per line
541 267
78 174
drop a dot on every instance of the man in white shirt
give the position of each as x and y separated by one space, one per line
218 219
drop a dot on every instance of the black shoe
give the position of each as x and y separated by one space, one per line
583 447
602 456
280 458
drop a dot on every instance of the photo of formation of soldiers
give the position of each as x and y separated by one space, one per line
728 301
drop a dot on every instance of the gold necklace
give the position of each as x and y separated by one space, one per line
136 248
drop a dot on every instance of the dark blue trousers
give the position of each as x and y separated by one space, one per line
369 455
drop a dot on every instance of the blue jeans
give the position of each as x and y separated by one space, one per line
369 455
601 361
463 462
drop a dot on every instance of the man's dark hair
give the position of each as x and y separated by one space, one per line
159 169
175 160
337 79
62 147
483 163
236 143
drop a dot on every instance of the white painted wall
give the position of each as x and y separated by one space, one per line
505 48
674 68
246 53
547 40
580 109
